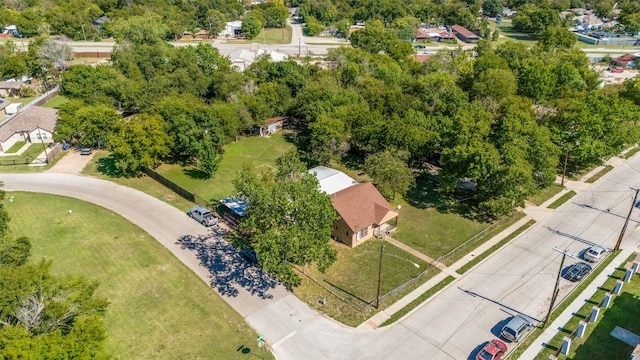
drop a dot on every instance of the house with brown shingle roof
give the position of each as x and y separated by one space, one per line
10 88
464 34
626 60
362 210
34 124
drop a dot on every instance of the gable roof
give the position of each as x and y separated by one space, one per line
331 180
624 58
14 85
464 32
362 205
30 119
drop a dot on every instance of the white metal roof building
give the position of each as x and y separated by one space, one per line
332 180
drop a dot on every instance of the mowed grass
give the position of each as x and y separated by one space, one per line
17 146
158 308
56 102
259 153
352 281
268 36
32 151
545 194
142 183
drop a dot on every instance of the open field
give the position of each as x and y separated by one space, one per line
260 153
158 308
267 36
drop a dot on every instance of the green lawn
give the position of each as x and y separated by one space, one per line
351 282
259 153
143 183
17 146
268 36
23 100
563 199
158 309
600 174
32 152
545 194
598 344
56 102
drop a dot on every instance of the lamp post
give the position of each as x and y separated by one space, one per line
397 216
555 288
380 271
626 222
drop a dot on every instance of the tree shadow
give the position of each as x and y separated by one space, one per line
426 192
195 173
227 269
107 166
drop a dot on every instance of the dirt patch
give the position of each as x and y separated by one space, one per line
71 163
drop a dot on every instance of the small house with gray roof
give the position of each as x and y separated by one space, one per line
34 124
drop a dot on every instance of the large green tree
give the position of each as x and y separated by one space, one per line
390 173
289 219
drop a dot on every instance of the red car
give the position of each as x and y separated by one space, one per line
616 69
494 350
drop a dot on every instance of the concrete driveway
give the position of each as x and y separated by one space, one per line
451 325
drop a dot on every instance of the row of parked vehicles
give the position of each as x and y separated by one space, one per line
521 324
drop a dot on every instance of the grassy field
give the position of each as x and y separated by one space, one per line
56 102
268 36
17 146
598 343
351 283
259 153
158 308
32 152
142 183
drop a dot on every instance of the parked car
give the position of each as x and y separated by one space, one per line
250 256
516 328
493 350
85 151
577 271
594 253
615 69
203 216
419 46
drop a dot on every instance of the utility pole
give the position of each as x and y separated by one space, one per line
44 148
626 222
564 169
556 288
379 277
83 34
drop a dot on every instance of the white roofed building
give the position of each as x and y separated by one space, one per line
331 180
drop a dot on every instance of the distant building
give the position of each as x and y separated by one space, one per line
464 35
232 29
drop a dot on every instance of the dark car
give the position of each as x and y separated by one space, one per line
250 256
493 350
577 271
203 216
516 328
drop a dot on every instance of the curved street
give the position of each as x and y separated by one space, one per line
450 325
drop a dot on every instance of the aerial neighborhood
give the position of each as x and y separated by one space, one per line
222 179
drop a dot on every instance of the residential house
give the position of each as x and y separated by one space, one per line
421 57
10 88
430 34
362 210
34 124
626 60
272 125
463 34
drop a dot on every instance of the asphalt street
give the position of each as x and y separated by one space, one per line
451 325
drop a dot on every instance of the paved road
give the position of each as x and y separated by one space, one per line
519 278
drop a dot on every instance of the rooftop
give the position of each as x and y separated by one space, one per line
331 180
